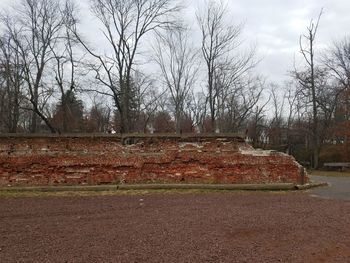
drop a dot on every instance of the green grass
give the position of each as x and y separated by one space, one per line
37 193
329 173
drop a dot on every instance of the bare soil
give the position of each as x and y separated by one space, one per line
175 227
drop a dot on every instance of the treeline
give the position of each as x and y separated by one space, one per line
151 75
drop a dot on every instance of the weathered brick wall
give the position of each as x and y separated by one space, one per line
57 160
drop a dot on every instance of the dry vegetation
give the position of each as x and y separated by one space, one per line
329 173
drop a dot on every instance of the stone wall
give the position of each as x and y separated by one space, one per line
111 159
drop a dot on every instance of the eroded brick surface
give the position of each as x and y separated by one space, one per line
106 159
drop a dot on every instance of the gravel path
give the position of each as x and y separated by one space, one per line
202 227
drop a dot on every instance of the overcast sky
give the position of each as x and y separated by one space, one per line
274 25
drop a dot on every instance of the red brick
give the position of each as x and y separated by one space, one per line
99 160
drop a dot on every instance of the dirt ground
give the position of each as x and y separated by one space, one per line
175 227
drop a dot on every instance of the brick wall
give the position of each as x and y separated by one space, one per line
102 159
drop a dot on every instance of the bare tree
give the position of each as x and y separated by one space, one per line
307 80
196 110
66 61
290 95
240 103
11 75
337 60
219 41
36 29
98 118
125 23
146 98
278 103
284 101
258 125
177 62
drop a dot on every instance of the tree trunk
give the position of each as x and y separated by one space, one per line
47 122
316 135
33 124
65 114
177 120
